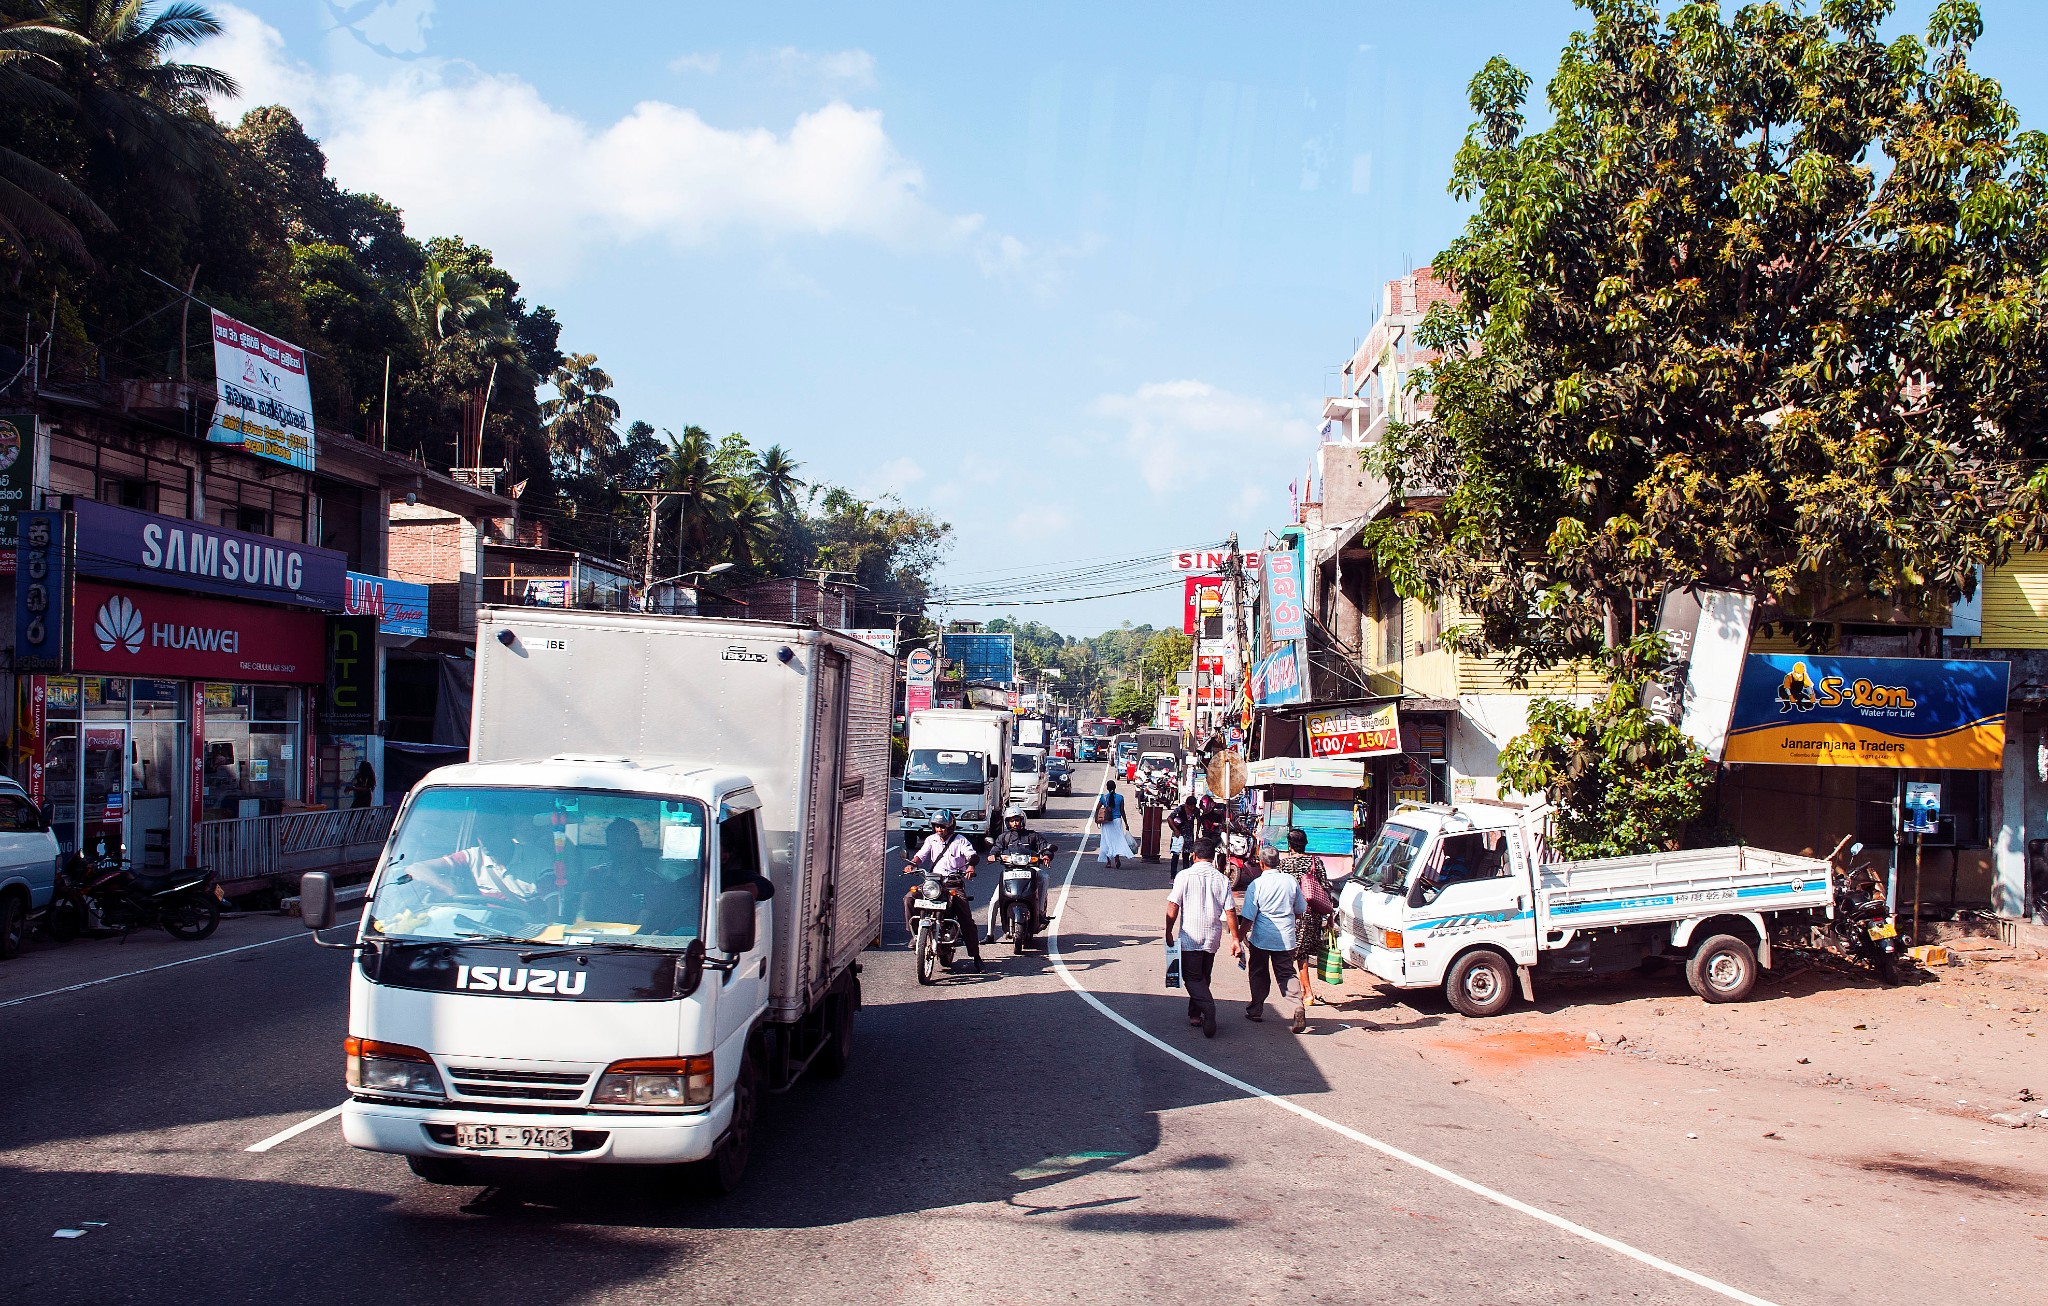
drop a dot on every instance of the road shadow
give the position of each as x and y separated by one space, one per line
185 1239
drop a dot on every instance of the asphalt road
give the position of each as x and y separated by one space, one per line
1000 1137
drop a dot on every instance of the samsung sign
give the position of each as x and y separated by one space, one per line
145 548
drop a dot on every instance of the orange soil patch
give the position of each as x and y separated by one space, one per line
1508 1050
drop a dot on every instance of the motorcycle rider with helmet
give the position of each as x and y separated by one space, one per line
947 851
1017 837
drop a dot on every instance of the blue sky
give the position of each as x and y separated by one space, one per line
1075 277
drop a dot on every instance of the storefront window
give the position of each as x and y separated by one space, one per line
113 753
253 767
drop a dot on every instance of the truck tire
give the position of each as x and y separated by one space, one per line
441 1170
1723 969
13 924
837 1053
1480 984
722 1172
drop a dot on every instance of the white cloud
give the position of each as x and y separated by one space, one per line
484 155
893 477
1181 432
854 69
393 27
694 63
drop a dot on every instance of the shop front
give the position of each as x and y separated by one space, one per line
149 712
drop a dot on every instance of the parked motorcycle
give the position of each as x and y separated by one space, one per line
936 923
104 894
1863 923
1017 898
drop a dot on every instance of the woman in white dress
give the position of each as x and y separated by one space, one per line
1116 839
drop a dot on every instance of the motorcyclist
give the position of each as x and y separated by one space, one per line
947 851
1018 837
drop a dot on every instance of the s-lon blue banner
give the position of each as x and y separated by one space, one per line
1816 710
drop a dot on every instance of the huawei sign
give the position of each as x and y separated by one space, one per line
119 625
138 632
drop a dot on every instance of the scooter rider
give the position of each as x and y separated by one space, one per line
1018 838
947 852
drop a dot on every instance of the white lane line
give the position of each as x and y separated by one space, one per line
1383 1148
286 1135
148 970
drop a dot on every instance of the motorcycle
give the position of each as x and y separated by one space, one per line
1017 898
936 923
1862 921
104 894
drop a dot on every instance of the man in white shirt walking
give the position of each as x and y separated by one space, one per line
1270 921
1198 909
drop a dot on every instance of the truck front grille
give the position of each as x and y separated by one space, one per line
522 1085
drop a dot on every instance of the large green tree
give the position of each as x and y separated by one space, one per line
1761 309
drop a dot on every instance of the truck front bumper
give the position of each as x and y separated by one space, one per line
613 1139
1383 962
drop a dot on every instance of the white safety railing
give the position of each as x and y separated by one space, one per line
265 847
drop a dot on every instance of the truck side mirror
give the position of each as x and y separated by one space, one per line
316 900
736 920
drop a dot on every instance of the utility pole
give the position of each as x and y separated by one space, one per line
1234 571
654 498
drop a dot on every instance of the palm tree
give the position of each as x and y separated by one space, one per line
744 518
691 466
447 301
132 98
36 203
777 476
582 419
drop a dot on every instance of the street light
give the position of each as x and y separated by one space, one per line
711 570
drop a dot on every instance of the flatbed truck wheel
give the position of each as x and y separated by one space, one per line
1480 984
1722 969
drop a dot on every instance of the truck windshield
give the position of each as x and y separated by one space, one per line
545 866
944 770
1393 856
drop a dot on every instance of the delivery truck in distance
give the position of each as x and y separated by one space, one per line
959 762
1465 897
638 908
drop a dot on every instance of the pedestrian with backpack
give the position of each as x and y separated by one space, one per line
1115 834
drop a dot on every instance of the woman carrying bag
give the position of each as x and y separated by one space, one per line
1109 815
1322 906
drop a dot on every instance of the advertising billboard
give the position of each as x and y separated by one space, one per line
1803 709
1277 679
17 478
1353 731
266 402
127 544
982 656
138 632
1202 607
920 668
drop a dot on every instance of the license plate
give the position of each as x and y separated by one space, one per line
1884 931
520 1137
1016 875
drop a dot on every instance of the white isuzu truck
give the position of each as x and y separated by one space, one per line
959 762
636 909
1463 897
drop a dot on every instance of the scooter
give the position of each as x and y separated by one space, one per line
1862 921
1016 904
935 923
103 894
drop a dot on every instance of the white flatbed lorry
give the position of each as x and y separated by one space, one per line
638 908
1462 897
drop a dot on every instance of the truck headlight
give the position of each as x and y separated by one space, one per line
375 1067
655 1081
976 815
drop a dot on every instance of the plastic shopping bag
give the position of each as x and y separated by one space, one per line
1173 962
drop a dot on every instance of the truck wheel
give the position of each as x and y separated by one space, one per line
837 1053
1723 969
440 1170
723 1170
1479 984
13 924
927 958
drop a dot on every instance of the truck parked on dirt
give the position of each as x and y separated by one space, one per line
1465 897
636 910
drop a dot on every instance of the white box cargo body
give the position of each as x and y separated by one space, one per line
802 712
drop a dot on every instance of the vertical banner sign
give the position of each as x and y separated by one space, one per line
17 478
349 704
195 786
919 670
42 593
38 717
1283 596
266 402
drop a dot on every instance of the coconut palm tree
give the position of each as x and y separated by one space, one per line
743 517
776 474
38 204
446 301
582 419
